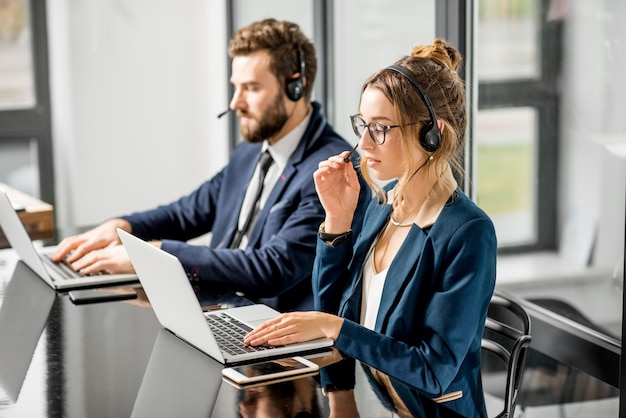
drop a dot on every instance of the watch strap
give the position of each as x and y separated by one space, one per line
333 239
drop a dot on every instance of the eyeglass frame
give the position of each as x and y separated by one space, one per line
385 128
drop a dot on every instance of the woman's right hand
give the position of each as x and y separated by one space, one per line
337 186
295 327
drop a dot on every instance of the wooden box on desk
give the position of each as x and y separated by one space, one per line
37 216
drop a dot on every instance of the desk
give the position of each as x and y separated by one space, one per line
113 359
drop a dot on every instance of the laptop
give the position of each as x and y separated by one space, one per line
59 276
177 308
24 313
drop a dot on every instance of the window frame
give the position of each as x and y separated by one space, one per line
455 22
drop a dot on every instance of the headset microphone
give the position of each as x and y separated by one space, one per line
224 112
348 157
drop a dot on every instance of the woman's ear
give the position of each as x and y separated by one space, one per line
441 125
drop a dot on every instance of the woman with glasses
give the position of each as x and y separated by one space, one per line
408 296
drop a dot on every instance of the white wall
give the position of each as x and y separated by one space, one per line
136 87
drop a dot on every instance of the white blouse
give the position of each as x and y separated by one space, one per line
373 284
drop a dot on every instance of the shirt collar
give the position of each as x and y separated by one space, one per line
282 149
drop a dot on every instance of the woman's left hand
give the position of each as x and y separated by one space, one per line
295 327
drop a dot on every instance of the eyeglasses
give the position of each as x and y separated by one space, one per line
377 131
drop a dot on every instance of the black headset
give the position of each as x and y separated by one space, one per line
295 86
430 135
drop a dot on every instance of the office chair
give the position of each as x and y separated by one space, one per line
507 335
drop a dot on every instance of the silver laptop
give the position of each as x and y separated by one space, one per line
59 276
177 308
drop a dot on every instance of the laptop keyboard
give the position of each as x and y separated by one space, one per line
229 333
64 270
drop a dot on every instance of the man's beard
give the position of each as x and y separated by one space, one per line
268 124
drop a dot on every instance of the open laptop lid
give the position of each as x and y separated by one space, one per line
24 313
19 240
172 298
177 308
179 381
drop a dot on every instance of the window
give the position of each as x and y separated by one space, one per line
25 138
16 64
506 148
516 125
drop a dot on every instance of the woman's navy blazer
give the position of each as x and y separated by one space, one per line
428 332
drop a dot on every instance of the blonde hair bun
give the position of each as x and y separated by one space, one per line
440 52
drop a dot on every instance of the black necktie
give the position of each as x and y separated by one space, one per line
264 164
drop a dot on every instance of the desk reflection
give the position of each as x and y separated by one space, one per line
23 315
182 381
297 398
179 381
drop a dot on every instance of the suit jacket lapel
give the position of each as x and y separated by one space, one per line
310 136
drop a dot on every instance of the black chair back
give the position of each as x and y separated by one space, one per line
507 335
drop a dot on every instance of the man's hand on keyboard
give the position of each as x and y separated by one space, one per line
112 260
78 246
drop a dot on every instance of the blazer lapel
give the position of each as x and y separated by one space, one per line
311 134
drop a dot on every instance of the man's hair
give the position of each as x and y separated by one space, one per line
282 40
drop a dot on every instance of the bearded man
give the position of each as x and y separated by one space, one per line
261 209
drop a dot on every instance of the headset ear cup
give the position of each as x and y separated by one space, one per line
294 89
430 138
430 135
